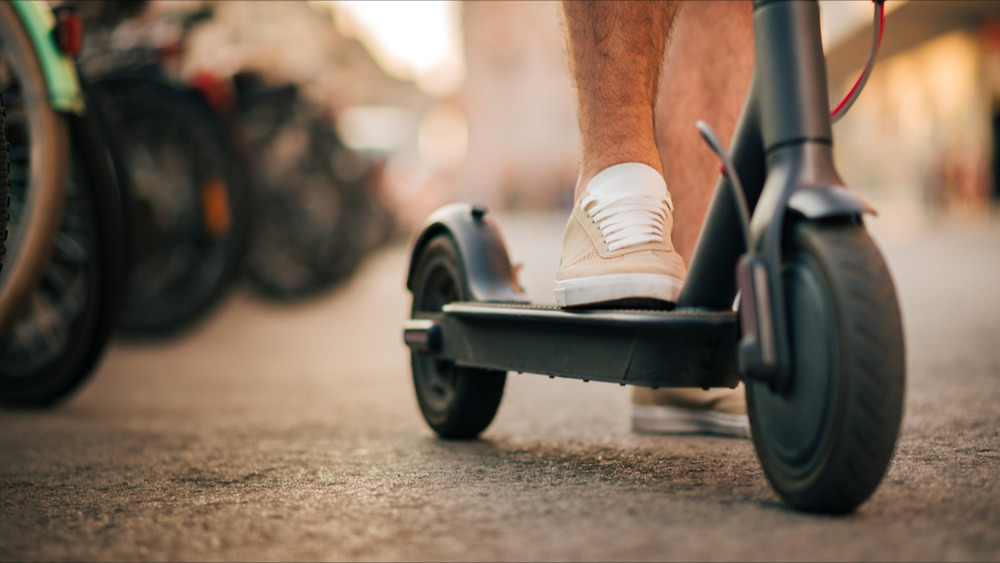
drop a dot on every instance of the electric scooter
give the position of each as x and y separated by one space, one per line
815 331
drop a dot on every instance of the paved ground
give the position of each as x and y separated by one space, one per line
291 433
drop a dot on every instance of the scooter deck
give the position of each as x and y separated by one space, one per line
680 348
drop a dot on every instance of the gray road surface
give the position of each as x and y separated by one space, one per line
291 433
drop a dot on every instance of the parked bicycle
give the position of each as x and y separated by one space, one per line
39 89
63 322
188 198
316 215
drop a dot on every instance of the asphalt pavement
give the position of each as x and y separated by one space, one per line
276 432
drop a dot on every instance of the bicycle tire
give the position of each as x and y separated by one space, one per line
39 157
4 183
188 204
358 174
305 238
57 341
826 442
308 225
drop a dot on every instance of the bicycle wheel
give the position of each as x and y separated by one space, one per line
826 442
358 174
56 342
4 183
187 204
39 164
307 235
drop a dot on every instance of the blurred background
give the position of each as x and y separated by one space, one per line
294 148
472 101
276 146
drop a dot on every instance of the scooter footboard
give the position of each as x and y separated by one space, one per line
683 348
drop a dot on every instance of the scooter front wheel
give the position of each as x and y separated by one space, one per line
825 441
457 402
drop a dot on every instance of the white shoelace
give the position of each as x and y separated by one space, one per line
629 215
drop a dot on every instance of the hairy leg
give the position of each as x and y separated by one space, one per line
615 53
705 76
617 244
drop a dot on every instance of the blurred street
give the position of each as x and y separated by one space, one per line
291 433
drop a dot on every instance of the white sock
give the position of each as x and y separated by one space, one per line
629 203
632 177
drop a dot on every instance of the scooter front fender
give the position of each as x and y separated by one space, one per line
829 202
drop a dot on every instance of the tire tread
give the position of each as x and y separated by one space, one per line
871 376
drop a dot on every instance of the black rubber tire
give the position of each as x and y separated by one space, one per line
4 183
826 443
309 223
457 403
180 264
39 163
58 340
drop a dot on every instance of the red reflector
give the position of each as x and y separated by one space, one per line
215 89
69 33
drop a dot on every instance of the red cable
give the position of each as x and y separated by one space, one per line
857 83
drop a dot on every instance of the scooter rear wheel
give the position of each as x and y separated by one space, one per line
457 402
826 442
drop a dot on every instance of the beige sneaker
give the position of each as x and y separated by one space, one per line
690 411
616 248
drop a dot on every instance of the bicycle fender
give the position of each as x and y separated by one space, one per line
828 202
60 72
481 249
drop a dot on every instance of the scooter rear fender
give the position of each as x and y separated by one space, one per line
481 249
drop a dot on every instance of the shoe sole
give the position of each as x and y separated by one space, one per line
650 419
617 287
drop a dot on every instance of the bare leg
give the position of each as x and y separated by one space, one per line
616 247
705 76
707 70
616 50
615 53
626 108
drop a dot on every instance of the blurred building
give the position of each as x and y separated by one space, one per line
301 43
924 133
922 137
523 135
297 42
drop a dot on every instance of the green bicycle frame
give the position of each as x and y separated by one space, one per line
60 72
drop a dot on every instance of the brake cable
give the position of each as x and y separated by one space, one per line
852 95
